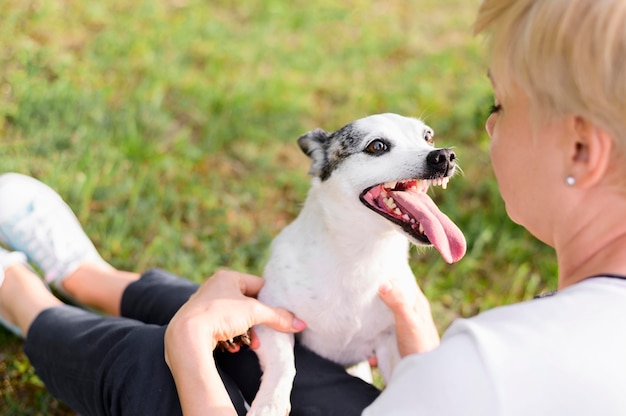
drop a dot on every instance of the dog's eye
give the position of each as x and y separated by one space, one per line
428 136
376 147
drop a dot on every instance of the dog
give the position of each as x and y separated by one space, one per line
367 201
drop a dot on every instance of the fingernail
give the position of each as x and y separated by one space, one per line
298 324
384 288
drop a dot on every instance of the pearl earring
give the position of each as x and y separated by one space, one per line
570 181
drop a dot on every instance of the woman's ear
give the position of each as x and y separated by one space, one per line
591 152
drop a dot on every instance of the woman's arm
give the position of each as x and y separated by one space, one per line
221 309
200 388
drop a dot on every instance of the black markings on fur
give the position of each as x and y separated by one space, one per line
239 340
328 150
314 145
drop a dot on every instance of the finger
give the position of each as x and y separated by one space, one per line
250 285
373 361
254 340
393 298
279 319
416 332
233 348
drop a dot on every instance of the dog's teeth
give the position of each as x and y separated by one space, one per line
406 217
389 186
444 183
390 203
412 221
421 228
397 211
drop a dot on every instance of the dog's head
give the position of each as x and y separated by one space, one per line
388 162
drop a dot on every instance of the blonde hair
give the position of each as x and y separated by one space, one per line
569 56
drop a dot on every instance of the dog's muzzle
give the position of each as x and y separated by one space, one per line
407 205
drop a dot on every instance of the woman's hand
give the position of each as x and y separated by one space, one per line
415 327
222 308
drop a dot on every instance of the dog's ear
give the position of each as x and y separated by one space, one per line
314 145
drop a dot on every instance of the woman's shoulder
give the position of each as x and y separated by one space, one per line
543 356
587 312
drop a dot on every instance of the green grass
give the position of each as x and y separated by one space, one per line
170 128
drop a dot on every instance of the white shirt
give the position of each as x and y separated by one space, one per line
560 355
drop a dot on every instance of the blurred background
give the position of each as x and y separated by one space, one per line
170 128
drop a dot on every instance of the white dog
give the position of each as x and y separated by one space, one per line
368 200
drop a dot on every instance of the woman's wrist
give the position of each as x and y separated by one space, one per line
189 355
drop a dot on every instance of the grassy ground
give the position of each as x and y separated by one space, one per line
170 126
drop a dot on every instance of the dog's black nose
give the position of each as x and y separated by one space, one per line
441 160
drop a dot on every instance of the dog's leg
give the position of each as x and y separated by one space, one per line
277 362
387 355
362 370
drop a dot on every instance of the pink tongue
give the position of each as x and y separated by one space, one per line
440 230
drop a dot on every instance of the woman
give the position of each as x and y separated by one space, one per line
557 146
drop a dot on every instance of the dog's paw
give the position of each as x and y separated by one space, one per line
272 409
269 406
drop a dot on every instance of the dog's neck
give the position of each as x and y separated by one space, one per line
337 241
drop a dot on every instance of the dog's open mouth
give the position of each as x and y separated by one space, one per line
406 204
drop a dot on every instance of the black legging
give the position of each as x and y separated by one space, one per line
101 365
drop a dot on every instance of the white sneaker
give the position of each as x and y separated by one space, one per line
36 221
9 258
